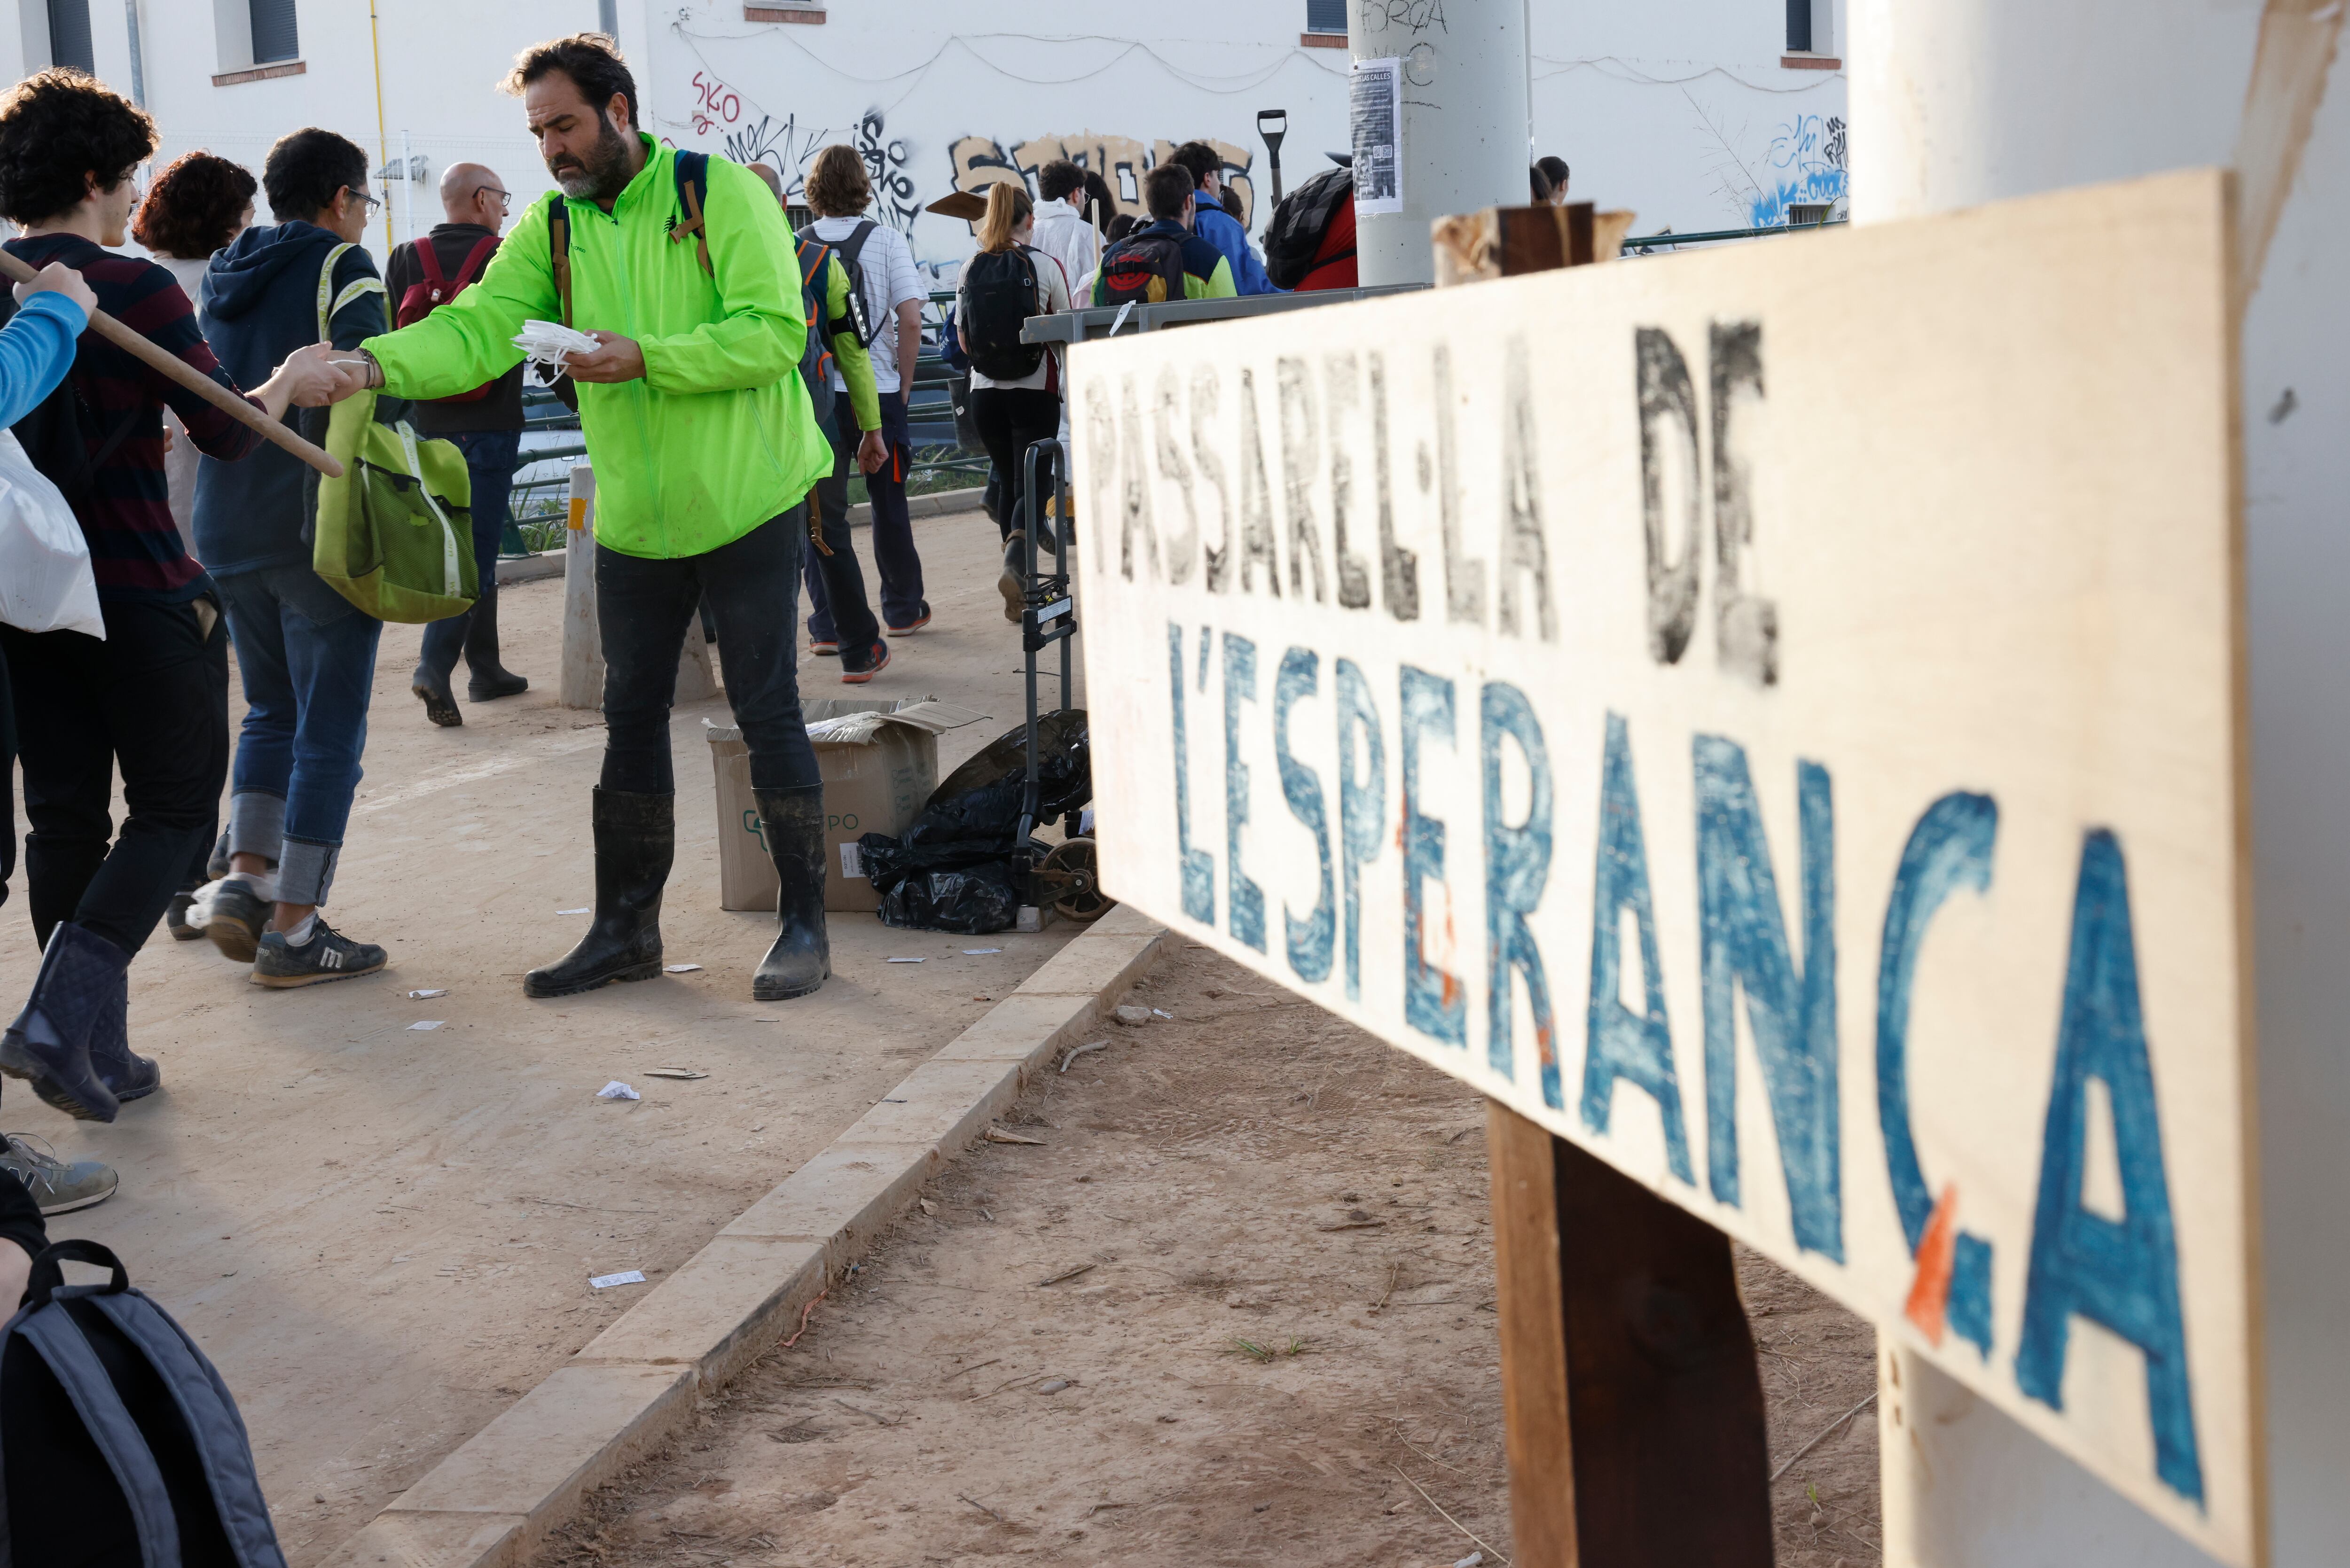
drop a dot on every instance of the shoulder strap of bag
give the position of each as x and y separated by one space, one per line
428 258
558 245
62 1344
692 170
476 259
869 328
329 302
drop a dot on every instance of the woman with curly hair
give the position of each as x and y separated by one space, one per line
199 203
151 697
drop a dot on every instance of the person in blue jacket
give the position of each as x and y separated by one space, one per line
1217 227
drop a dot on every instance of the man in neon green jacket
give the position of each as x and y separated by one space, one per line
705 448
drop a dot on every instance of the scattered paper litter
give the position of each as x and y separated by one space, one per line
428 995
427 1023
680 968
1161 1013
909 960
974 952
617 1090
688 1073
606 1281
571 911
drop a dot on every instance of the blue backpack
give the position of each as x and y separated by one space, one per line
96 1382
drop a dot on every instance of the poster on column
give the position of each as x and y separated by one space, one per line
1774 716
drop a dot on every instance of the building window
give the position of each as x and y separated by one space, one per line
1799 26
273 37
69 35
1326 16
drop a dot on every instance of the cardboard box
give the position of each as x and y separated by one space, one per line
877 775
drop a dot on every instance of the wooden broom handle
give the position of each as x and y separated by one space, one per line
195 380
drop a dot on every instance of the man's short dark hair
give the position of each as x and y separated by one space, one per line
307 168
593 63
1165 190
1553 170
1059 179
1200 159
57 128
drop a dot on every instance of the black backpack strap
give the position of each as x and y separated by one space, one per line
558 245
47 1277
868 328
692 170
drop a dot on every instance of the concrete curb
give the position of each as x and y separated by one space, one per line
939 503
492 1502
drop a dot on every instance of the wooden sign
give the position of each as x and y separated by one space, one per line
1774 717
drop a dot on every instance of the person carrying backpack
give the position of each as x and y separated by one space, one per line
150 701
1164 259
484 422
305 654
1015 387
839 375
1215 223
705 447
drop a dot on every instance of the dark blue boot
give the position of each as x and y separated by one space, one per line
48 1045
131 1075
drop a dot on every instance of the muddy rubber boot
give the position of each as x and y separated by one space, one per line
1013 581
131 1075
489 679
431 687
48 1045
636 837
793 820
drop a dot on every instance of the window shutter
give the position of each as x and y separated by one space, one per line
273 37
69 35
1326 16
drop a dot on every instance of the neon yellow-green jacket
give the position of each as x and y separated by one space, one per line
718 435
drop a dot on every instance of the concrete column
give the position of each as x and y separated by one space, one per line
1463 104
1964 101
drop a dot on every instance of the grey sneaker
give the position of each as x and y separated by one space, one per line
57 1186
234 917
327 955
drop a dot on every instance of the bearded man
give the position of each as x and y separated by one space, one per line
704 446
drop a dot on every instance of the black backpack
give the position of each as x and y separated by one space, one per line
1299 224
868 327
1145 268
119 1442
998 295
55 431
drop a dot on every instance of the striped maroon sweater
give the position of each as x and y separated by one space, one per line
135 551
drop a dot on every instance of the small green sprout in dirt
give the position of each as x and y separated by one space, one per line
1262 1354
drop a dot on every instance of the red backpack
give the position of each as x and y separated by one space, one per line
423 297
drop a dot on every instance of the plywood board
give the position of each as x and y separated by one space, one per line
1773 716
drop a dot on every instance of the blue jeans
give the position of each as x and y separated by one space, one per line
491 457
895 558
306 656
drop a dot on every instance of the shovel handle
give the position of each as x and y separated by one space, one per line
170 364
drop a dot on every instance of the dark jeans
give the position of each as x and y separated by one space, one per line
306 656
894 556
151 697
751 591
1011 418
490 458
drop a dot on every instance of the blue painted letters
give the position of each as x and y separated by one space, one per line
1199 867
1517 865
1244 903
1362 804
1433 1002
1309 939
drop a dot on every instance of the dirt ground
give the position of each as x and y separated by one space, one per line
383 1234
1234 1306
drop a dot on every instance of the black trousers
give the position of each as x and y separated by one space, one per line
751 591
151 699
1009 419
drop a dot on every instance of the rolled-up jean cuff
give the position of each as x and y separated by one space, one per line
257 824
305 871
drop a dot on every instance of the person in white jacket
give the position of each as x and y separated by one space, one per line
1062 232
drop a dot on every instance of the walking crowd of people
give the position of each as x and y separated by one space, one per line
762 372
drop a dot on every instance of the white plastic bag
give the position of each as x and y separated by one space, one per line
45 578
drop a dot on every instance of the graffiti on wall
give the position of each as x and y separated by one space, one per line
1804 166
885 165
748 135
980 162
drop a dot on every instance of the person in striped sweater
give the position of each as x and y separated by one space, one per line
151 700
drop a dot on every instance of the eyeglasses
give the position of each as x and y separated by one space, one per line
505 198
372 202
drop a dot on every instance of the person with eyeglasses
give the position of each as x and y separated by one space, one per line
484 421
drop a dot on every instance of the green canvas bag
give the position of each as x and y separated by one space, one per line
395 533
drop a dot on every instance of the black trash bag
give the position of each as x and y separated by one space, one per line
951 871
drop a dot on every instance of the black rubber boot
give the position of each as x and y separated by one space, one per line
489 679
48 1045
793 821
128 1075
431 687
636 837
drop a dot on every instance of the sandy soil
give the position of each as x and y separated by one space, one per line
1235 1306
384 1235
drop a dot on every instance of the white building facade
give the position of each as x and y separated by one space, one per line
1699 115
